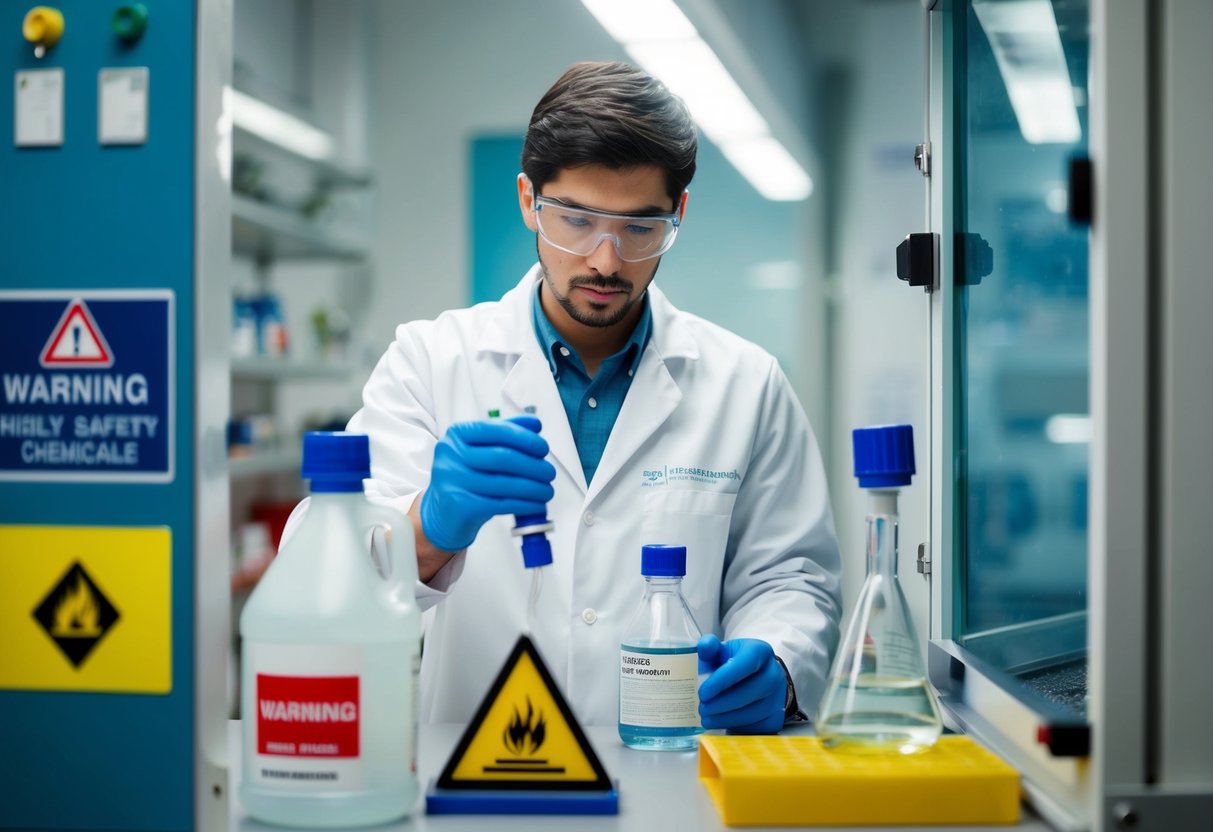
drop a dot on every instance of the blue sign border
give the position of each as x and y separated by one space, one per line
68 295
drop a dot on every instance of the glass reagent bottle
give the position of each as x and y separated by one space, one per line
658 660
878 698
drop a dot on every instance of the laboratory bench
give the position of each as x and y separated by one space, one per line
658 790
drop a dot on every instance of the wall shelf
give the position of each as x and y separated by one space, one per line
267 232
328 172
264 463
275 369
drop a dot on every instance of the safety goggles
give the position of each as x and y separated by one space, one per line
581 230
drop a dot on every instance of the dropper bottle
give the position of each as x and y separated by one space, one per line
536 548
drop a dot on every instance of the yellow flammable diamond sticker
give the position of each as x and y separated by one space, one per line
86 608
524 735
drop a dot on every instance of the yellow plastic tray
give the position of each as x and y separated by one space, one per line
793 780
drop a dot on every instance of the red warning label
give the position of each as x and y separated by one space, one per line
76 341
307 716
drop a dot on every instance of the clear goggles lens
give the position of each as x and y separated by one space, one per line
581 230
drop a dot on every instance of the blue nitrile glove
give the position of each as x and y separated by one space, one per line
482 469
747 688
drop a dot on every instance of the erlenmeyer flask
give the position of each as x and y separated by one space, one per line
878 698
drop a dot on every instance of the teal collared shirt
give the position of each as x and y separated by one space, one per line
591 404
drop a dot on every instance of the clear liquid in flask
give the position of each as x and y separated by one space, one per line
878 699
888 714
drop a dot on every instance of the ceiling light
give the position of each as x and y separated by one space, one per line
693 72
769 168
1069 428
635 21
660 38
1027 48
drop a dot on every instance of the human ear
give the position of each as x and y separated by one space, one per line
526 202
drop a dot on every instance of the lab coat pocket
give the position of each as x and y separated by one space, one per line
700 521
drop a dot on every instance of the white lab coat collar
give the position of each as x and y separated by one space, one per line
509 331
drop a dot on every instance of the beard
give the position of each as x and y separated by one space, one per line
599 314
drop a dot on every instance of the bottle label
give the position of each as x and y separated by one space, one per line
308 714
659 690
896 653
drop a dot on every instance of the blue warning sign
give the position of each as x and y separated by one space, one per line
86 386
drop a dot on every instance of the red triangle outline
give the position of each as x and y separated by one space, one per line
76 308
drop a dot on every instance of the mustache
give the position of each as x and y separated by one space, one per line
611 283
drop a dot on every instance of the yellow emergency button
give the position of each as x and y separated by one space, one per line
43 26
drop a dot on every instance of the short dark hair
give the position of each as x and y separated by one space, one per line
612 114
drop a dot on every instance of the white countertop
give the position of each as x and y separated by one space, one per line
658 792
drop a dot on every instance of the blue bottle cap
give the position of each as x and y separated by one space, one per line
660 561
884 455
336 461
536 548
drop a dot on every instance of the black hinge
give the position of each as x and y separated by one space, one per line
1082 191
916 259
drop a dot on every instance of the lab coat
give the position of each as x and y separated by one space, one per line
711 450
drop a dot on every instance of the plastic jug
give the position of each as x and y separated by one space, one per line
330 658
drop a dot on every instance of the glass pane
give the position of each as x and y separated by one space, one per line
1022 351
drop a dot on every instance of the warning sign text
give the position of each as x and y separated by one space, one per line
86 386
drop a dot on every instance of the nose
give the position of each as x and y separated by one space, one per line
605 258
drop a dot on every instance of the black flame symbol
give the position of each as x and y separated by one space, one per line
524 736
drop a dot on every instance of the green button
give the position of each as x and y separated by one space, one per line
129 22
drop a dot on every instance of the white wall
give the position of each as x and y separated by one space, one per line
872 54
445 71
764 48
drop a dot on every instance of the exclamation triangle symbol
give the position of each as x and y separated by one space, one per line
76 341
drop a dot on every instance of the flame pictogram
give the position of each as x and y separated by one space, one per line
524 735
77 613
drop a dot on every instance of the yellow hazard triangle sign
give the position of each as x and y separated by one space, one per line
523 752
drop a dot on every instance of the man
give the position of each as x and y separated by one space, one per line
657 427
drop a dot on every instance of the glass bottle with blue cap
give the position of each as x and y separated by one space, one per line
659 659
878 698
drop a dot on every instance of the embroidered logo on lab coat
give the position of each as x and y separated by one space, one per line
678 473
652 477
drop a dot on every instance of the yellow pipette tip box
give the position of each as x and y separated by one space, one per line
794 781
